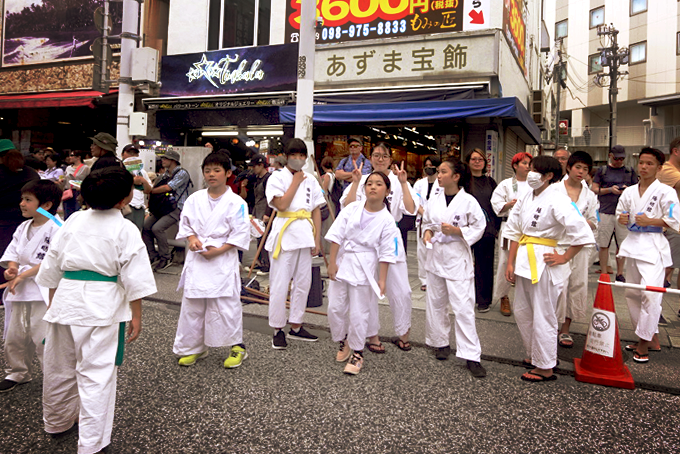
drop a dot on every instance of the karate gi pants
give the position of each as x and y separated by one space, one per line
421 252
208 322
295 265
460 296
25 335
644 307
80 382
573 301
536 316
349 309
398 293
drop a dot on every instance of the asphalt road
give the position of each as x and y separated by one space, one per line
299 401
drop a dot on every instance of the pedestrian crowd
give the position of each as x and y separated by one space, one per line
73 287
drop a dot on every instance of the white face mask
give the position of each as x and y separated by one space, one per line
296 164
534 180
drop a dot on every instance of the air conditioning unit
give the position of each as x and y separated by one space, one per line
538 107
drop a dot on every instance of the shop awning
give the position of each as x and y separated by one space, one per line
510 110
57 99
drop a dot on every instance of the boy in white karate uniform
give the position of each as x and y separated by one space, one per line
294 238
97 271
573 302
539 219
646 208
402 200
25 301
216 225
503 200
363 245
453 222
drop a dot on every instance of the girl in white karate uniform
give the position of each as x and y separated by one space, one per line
216 225
538 220
573 302
364 242
402 200
646 209
452 223
503 200
424 188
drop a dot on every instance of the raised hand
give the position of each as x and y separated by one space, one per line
401 174
356 173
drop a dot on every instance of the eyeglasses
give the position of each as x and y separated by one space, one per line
476 159
380 157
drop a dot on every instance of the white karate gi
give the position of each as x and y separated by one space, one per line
573 301
398 288
420 188
550 215
211 314
647 254
25 309
506 191
84 317
353 297
451 272
295 259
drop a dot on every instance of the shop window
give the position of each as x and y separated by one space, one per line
594 64
638 6
638 53
596 17
238 23
561 29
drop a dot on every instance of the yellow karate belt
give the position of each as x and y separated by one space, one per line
530 241
291 216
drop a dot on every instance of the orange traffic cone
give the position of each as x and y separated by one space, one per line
602 363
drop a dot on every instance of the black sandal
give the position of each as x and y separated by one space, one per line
403 346
375 348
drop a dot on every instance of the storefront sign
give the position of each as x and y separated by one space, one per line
239 70
218 104
514 30
491 148
444 57
354 20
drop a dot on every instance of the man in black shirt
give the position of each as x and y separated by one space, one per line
104 149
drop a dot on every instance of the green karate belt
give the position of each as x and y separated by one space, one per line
87 275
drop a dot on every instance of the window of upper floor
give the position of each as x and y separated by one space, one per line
638 53
596 17
637 6
561 29
594 64
238 23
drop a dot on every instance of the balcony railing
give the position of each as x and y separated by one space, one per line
628 136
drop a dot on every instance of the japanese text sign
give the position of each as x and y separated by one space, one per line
354 20
514 30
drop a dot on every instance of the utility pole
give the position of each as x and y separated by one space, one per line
613 57
559 76
304 103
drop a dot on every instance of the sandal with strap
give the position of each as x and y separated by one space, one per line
403 346
376 348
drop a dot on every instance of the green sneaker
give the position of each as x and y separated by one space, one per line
236 357
191 359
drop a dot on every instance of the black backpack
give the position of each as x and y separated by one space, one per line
165 203
335 193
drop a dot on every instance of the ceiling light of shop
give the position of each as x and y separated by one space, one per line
219 133
258 132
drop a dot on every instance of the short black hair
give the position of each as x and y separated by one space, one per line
219 159
56 157
462 169
104 188
130 148
546 164
582 157
45 191
434 160
658 154
296 146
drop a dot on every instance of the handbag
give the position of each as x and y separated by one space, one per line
67 194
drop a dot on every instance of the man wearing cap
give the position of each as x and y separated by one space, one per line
608 183
354 161
174 181
104 149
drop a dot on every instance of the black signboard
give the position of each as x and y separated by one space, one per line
345 20
227 71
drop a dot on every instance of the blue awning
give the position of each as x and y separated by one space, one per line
508 109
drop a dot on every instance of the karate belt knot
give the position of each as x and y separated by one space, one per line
529 241
290 217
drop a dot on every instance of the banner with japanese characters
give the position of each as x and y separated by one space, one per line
514 29
355 20
442 58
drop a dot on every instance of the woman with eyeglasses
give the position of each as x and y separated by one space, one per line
401 200
423 189
482 187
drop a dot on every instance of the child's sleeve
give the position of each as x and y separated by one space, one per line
274 188
498 200
513 228
388 248
135 275
184 229
591 209
11 254
624 202
416 202
476 223
427 223
671 210
317 191
577 230
337 232
239 221
50 272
